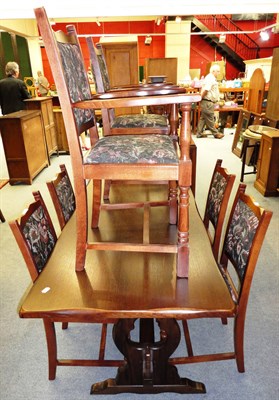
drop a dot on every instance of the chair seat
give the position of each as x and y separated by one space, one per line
140 121
133 149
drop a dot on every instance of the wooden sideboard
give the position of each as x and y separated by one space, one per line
44 104
24 145
267 180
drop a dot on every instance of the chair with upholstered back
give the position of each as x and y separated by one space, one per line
63 197
119 157
121 124
35 235
245 233
216 205
36 238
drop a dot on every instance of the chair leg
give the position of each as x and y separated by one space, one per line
224 321
182 268
96 203
239 342
187 338
82 226
103 342
65 325
107 189
51 348
173 191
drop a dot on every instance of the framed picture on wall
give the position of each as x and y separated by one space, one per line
244 120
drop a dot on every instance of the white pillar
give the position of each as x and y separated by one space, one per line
178 45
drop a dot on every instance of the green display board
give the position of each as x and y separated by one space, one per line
14 48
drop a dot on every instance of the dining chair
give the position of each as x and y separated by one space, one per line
245 233
121 124
119 157
216 204
139 123
36 238
63 197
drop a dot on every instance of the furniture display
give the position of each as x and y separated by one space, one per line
267 179
24 145
124 157
216 204
44 104
118 293
63 197
118 290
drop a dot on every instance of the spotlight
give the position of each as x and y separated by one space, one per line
178 20
264 35
98 22
222 38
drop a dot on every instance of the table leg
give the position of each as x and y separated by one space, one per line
147 369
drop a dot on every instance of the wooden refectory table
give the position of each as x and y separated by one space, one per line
126 286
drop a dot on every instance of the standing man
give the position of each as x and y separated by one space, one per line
12 90
43 85
210 96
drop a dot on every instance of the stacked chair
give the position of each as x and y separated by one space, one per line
150 157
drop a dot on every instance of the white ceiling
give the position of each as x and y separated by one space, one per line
16 9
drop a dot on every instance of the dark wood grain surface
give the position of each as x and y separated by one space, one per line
127 284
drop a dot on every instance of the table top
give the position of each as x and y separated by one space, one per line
129 284
261 129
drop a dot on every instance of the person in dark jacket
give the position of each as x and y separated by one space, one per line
12 90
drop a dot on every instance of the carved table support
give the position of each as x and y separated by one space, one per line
147 369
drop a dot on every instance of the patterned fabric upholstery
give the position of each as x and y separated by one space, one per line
240 237
216 195
76 79
39 238
104 71
140 120
131 149
66 197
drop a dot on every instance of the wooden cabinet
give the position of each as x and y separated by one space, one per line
62 140
268 164
161 66
24 145
44 104
122 64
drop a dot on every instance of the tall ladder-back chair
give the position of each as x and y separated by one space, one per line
118 157
216 205
245 233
